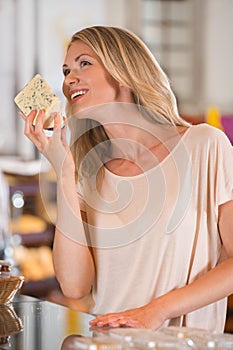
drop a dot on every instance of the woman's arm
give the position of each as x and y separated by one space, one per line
73 261
214 285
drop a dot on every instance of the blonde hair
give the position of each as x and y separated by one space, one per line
129 61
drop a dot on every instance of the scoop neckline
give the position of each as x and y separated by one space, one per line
153 168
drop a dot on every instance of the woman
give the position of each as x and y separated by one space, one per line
149 232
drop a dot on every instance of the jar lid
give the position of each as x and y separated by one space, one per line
5 267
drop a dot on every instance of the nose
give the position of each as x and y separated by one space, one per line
72 78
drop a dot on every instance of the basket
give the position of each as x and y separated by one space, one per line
9 287
10 323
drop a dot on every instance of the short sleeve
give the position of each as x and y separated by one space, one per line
224 169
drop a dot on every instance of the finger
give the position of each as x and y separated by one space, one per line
132 324
31 116
28 123
121 321
35 133
57 120
106 316
39 120
112 320
63 131
99 323
95 321
57 125
114 324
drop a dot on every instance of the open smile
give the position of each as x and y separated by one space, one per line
77 95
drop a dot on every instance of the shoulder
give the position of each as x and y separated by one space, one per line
206 134
204 129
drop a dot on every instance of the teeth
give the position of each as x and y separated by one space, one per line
78 93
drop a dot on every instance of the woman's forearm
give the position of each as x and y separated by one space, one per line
214 285
72 258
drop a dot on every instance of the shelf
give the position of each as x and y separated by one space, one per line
40 288
32 232
37 239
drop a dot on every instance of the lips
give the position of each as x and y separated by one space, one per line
75 95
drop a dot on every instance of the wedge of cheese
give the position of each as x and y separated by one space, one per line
37 94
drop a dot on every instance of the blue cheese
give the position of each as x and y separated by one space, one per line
37 94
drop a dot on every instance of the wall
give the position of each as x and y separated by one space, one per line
218 54
7 63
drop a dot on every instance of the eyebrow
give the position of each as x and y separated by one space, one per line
77 58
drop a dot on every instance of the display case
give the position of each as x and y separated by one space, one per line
32 232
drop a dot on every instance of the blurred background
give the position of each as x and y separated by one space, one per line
191 39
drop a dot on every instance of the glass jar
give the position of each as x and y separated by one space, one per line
5 268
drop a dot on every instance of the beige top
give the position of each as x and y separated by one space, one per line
158 231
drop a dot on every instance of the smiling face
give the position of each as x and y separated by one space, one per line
86 82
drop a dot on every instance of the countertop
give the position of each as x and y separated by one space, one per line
29 323
33 324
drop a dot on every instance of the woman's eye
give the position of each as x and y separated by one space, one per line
84 63
66 72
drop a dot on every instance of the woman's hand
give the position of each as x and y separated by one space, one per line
54 148
143 317
216 284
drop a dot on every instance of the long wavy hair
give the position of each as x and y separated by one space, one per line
130 62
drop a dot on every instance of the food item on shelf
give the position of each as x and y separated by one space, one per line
35 263
27 223
37 94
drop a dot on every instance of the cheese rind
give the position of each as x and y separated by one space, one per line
37 94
